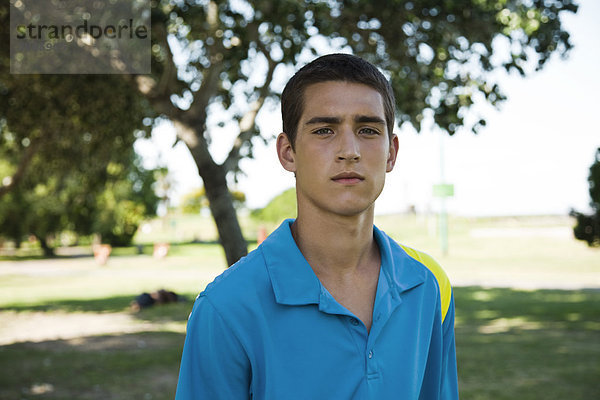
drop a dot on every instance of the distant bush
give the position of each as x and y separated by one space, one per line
279 208
588 226
193 202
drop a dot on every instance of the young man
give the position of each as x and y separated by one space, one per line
328 306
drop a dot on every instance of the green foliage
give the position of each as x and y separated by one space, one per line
123 204
439 55
71 200
588 226
66 145
594 181
194 201
85 121
239 198
280 207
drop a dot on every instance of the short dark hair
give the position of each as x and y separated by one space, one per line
333 67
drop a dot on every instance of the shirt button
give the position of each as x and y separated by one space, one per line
354 321
370 354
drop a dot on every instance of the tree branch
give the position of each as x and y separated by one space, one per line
22 167
159 92
248 122
195 116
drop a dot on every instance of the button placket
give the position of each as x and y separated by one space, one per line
372 368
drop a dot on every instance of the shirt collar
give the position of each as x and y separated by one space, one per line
292 278
401 270
295 283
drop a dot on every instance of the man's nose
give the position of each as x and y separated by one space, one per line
349 148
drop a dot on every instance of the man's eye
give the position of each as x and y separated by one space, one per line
368 131
323 131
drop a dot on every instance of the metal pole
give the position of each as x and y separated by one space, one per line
443 214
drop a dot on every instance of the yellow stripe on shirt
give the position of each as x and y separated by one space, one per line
440 275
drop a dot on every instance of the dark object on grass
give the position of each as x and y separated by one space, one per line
161 296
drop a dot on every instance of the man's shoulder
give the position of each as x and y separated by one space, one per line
438 272
240 282
423 259
428 262
249 281
432 269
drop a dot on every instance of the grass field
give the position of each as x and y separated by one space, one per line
527 318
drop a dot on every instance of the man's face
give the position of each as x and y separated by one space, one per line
342 150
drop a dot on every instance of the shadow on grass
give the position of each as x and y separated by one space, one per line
107 304
128 366
511 344
528 345
568 309
564 309
157 313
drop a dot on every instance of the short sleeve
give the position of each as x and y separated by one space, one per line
214 364
449 381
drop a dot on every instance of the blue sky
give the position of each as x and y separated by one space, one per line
533 157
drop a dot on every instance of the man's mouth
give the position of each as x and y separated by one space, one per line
348 178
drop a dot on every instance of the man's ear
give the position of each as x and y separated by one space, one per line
394 146
285 152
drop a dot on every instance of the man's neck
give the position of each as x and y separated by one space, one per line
336 246
343 254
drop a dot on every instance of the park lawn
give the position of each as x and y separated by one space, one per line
126 366
512 344
515 344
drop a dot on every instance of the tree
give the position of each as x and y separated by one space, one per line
439 56
70 201
67 159
233 55
588 226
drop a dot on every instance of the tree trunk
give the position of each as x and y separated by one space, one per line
48 251
190 126
223 212
190 130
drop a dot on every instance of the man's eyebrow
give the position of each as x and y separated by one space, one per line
323 120
369 119
337 120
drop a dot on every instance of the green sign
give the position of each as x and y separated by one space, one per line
443 190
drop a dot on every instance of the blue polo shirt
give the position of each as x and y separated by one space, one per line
267 329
